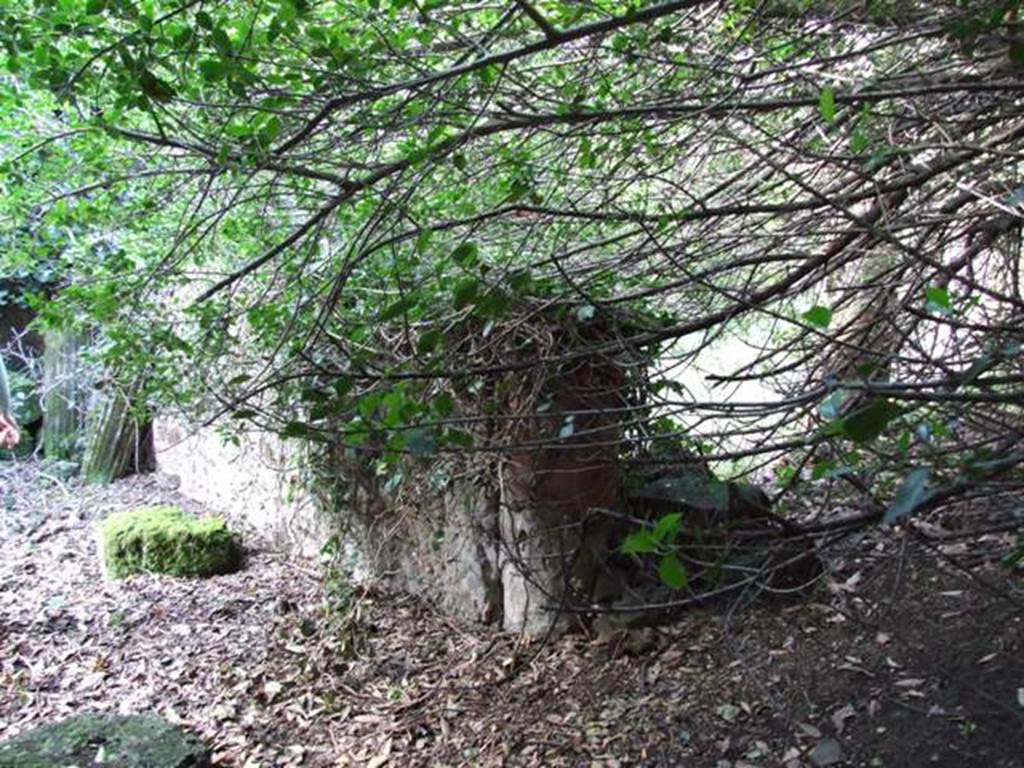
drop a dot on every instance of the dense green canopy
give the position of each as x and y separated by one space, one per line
349 217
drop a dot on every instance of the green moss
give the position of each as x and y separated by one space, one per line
135 741
166 540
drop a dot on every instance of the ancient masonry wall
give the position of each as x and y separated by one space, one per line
255 484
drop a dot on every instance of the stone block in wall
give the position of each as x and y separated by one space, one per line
447 552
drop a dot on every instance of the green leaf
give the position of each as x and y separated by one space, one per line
818 316
668 527
521 281
821 469
639 543
832 407
155 88
493 304
221 40
466 255
213 70
459 437
937 300
827 104
299 429
443 404
342 386
859 141
465 292
912 491
867 423
270 131
429 341
423 241
673 573
398 308
183 38
368 404
1016 51
568 428
421 442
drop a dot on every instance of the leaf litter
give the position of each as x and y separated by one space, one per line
257 665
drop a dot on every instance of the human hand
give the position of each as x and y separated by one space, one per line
10 436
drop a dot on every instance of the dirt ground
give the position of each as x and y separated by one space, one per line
899 659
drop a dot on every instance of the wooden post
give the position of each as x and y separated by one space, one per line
64 393
118 443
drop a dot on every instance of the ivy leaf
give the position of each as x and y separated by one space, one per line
465 292
421 442
672 572
299 429
867 423
398 308
859 141
429 341
912 491
818 316
1016 52
938 301
155 88
668 527
466 255
827 104
639 543
213 70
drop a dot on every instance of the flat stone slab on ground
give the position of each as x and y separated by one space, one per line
115 741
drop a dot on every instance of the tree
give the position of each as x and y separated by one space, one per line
360 197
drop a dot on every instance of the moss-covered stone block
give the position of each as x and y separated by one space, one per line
133 741
166 540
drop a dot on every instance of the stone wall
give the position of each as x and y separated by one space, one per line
443 546
512 540
255 484
505 542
